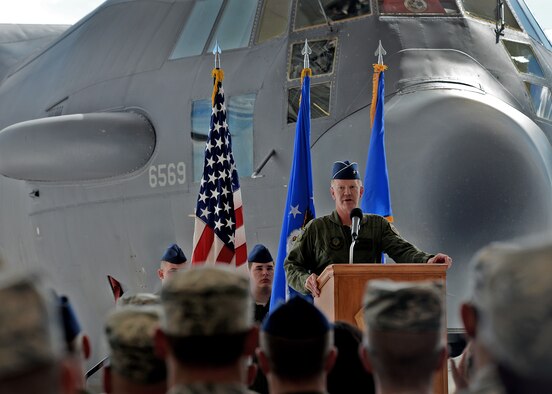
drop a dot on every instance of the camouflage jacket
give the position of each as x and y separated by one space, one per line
326 241
209 388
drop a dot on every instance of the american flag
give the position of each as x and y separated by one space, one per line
219 234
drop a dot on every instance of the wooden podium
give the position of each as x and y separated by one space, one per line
342 288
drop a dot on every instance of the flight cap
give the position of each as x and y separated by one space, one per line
512 293
30 326
130 332
259 254
206 301
174 255
345 170
403 306
296 319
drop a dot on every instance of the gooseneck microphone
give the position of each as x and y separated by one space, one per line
356 217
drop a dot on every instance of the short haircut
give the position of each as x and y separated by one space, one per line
404 357
296 359
208 351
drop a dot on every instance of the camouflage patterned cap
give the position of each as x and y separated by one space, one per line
206 301
138 299
130 333
30 327
408 306
513 296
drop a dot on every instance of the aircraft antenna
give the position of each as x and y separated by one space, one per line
306 52
380 52
217 51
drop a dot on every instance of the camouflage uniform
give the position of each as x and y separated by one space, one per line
326 241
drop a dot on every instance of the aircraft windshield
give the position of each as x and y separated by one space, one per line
486 9
320 101
274 19
542 100
317 12
524 58
321 58
534 19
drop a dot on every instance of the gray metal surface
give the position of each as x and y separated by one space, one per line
469 161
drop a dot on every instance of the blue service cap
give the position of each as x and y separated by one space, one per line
174 255
345 170
260 254
71 326
308 321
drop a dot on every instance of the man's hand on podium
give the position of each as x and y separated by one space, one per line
441 258
311 284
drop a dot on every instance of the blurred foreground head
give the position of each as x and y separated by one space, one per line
511 309
404 337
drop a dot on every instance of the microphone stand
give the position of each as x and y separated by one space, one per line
352 248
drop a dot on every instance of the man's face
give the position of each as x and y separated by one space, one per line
167 270
346 194
261 275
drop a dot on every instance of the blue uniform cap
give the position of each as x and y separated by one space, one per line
71 326
345 170
174 255
308 321
260 254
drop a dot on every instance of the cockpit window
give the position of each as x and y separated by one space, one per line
542 100
234 28
418 7
240 123
321 58
487 9
524 58
528 19
317 12
274 19
320 101
198 27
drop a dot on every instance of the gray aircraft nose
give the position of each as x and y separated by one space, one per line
465 169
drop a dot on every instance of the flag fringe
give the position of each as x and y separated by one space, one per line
218 74
378 69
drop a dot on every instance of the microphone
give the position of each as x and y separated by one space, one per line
356 217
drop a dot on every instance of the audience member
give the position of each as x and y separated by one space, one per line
134 368
261 274
509 318
172 261
296 348
348 375
404 337
31 344
207 333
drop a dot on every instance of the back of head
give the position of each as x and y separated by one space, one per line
130 333
348 375
138 299
208 312
30 335
513 298
404 329
296 338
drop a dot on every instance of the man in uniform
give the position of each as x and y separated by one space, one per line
261 274
404 335
296 349
173 260
31 344
133 366
508 318
327 240
207 333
